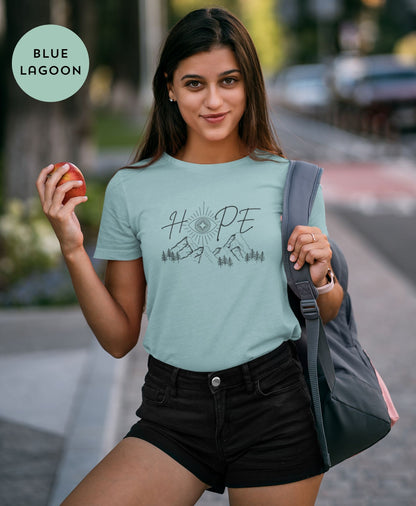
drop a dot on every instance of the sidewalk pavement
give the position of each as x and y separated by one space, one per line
65 402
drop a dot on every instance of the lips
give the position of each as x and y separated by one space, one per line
214 118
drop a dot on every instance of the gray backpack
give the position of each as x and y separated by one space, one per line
350 406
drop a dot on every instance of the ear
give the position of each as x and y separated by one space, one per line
171 93
169 86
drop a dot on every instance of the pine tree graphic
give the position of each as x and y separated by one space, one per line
164 257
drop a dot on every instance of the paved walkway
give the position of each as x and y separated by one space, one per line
65 402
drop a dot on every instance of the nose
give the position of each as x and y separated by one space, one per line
213 98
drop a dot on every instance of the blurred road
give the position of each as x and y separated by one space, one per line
65 402
307 138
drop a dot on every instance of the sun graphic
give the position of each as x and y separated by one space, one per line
202 226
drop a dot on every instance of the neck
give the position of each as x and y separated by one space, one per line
212 152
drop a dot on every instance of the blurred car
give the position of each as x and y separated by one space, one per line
374 94
391 92
302 88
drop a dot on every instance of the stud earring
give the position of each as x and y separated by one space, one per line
171 100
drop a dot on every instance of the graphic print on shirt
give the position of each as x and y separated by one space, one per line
216 236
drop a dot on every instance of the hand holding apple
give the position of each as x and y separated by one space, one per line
73 174
56 185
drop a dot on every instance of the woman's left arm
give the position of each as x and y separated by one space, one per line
310 245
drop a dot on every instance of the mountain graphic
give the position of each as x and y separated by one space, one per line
183 250
234 247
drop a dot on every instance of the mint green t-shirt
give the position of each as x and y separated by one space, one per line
210 238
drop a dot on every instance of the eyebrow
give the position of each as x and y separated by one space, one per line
196 76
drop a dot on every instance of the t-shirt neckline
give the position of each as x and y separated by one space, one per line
182 163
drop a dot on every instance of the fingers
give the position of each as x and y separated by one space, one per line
41 180
46 183
310 245
62 217
52 195
51 182
60 191
72 203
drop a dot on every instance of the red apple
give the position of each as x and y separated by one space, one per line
73 174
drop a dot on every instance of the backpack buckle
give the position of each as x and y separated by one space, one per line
310 309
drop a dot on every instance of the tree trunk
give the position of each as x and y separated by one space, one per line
39 133
126 57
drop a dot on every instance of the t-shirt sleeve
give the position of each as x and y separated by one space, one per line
317 216
116 239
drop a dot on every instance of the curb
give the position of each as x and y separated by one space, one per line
91 428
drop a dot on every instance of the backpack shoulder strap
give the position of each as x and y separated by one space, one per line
302 183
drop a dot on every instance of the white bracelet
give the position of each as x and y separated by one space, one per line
329 286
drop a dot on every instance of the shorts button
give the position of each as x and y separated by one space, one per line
216 381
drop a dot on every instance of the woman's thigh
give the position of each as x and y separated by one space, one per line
137 473
300 493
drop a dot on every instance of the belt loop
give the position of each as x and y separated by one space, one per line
173 380
247 377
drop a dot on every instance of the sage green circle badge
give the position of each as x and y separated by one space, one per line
50 63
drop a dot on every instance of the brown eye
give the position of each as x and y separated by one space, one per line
193 84
228 81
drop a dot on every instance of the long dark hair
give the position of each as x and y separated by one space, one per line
200 31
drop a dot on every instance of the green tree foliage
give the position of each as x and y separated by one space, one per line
395 19
261 20
259 16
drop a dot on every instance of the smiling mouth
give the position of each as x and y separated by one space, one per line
214 118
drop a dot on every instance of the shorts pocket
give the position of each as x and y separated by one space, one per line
284 378
154 394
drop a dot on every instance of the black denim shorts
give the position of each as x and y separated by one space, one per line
247 426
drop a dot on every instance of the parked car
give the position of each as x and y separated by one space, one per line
374 94
302 88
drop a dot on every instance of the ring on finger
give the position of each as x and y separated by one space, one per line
313 237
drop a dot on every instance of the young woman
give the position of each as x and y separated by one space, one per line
196 220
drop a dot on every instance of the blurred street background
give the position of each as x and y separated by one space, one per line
341 79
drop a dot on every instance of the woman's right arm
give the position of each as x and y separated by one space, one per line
114 310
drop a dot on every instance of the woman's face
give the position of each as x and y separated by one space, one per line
209 90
